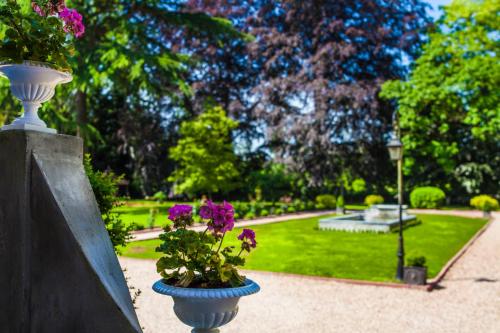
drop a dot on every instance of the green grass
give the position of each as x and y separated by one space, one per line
298 247
137 212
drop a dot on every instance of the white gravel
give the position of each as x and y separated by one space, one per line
469 300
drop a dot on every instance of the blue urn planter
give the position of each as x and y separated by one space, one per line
206 309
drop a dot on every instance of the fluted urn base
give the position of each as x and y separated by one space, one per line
28 127
200 330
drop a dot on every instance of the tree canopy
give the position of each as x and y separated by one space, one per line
449 108
205 155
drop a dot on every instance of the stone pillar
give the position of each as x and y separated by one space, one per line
58 270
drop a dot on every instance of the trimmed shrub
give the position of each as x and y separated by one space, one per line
299 205
484 202
427 197
264 212
326 201
160 196
278 211
241 208
310 205
374 199
358 185
249 216
291 210
416 261
340 201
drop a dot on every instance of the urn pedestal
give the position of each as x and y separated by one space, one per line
59 272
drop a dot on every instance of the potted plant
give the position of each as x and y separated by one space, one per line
34 54
198 271
416 271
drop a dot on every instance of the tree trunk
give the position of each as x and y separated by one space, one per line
81 112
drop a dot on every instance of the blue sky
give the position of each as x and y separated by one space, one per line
435 4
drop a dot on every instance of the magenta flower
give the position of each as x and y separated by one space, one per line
52 7
73 21
221 216
207 209
180 212
248 237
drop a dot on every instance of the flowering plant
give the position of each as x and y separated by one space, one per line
198 259
42 33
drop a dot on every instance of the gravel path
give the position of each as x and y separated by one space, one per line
468 300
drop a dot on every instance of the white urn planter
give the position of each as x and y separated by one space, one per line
33 84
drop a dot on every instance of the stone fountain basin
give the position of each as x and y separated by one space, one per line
357 223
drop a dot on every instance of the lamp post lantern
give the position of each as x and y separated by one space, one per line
396 153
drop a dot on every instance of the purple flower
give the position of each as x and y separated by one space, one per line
180 212
207 209
248 236
221 216
73 21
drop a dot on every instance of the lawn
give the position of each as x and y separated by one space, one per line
138 212
299 247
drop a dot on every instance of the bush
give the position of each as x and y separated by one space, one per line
310 205
160 196
299 205
256 207
358 185
416 261
326 201
427 197
278 211
291 210
340 201
105 187
264 212
241 208
485 203
249 216
374 199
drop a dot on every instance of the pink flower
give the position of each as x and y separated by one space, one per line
37 9
73 21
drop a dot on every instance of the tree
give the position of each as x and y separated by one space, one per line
204 155
449 108
225 71
274 181
129 81
324 63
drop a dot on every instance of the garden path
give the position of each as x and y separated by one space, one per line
468 300
154 234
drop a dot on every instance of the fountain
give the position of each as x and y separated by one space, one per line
377 218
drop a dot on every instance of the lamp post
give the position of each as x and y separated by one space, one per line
396 153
